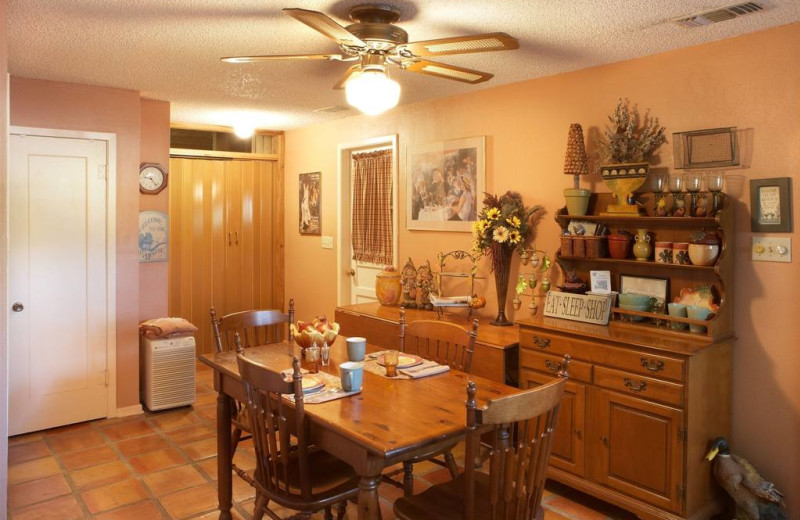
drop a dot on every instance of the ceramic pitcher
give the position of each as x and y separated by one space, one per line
642 248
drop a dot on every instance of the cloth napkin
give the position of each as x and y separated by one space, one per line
424 371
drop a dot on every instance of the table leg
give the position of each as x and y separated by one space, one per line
224 455
368 506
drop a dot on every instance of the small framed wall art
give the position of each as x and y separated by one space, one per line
771 205
309 199
153 236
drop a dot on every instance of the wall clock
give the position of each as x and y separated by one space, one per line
152 178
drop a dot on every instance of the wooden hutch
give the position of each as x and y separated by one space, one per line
644 401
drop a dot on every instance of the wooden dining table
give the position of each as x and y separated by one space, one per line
390 421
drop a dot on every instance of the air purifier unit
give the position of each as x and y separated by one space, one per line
167 372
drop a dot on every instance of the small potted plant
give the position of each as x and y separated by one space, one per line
576 164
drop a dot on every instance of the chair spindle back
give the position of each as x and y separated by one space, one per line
440 341
254 327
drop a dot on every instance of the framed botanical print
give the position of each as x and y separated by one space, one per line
309 201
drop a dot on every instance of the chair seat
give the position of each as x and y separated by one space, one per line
433 453
446 501
331 481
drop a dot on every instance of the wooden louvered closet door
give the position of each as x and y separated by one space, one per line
224 239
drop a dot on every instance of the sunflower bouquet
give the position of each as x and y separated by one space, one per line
503 225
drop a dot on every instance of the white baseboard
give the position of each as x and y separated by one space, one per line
135 409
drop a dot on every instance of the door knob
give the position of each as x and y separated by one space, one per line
17 307
351 272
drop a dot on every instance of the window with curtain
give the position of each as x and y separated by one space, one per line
372 207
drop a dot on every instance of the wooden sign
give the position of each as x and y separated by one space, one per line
578 307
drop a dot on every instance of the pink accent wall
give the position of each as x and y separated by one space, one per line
154 148
749 82
48 104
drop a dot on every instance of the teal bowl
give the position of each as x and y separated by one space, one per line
634 299
639 308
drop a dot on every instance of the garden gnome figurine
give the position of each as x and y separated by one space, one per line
408 280
425 285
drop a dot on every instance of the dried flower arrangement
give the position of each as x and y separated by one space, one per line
630 139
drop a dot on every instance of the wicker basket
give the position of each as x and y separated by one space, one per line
596 247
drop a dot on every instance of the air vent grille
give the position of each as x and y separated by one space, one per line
332 110
722 14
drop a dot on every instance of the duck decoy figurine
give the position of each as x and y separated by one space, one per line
755 498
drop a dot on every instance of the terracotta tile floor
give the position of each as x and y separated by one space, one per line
162 465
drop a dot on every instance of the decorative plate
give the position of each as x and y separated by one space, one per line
702 296
404 360
312 384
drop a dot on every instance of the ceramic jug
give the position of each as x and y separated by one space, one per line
642 248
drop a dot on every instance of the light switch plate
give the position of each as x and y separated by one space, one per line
327 242
771 249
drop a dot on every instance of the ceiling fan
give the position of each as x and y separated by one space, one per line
374 41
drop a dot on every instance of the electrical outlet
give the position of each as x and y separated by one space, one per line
327 242
770 249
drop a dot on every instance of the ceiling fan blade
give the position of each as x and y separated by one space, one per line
442 70
252 59
346 76
461 45
326 26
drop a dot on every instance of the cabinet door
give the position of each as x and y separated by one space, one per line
568 445
636 448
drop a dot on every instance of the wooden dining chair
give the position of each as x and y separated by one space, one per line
258 327
289 471
447 344
521 428
255 328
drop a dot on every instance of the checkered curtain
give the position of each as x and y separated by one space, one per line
372 207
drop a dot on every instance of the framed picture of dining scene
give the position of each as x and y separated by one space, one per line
445 182
309 198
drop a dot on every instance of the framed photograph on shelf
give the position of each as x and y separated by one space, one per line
445 184
657 288
309 198
771 205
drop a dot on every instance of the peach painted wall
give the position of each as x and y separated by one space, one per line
4 259
154 142
748 82
48 104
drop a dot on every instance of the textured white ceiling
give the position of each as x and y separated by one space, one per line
170 49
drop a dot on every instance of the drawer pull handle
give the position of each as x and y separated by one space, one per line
652 365
604 439
553 367
541 342
636 387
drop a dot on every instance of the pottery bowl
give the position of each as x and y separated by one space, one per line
639 308
703 254
619 246
634 299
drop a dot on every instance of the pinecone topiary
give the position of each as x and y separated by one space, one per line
575 161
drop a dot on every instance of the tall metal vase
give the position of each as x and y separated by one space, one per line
502 269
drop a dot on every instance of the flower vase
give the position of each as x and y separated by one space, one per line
502 269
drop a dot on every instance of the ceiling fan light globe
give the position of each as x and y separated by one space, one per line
372 92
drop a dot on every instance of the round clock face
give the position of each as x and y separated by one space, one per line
151 179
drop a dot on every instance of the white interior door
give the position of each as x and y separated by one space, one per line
359 282
57 289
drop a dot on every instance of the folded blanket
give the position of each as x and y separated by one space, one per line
164 327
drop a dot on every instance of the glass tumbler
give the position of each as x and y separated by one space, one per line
390 359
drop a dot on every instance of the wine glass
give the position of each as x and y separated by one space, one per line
659 181
714 180
692 181
675 187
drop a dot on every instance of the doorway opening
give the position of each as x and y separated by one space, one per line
356 279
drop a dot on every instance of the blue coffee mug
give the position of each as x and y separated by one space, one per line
356 348
351 373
